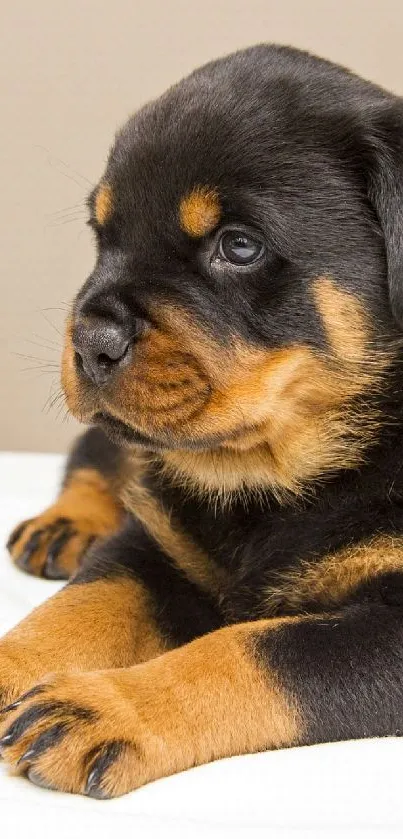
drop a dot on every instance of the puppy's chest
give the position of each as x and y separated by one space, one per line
263 559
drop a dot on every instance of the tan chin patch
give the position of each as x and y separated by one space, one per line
200 211
103 203
330 580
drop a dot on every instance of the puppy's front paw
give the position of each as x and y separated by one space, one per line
78 733
54 544
50 545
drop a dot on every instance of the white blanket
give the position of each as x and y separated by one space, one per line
339 790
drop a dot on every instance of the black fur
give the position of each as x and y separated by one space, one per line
183 612
92 449
345 670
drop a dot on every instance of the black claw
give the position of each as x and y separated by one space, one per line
107 753
44 709
30 548
27 719
38 780
95 791
17 532
32 692
51 569
45 741
60 522
37 689
11 707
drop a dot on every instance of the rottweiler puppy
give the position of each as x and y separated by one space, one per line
232 520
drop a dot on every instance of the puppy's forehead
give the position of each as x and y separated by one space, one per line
165 179
173 163
231 129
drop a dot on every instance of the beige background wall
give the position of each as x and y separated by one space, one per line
71 71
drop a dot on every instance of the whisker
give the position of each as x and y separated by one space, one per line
53 399
39 367
42 346
40 374
53 309
52 160
35 358
55 403
47 347
80 206
61 407
67 220
68 214
56 344
42 311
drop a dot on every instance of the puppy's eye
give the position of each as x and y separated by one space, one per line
239 248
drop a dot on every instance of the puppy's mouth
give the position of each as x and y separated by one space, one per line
123 433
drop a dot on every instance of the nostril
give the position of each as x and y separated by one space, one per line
114 356
114 350
104 359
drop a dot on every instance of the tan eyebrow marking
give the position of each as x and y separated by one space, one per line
103 203
200 211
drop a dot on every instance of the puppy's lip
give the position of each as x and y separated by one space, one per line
123 433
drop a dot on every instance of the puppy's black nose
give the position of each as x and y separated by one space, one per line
102 347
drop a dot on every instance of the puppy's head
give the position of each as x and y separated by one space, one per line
246 292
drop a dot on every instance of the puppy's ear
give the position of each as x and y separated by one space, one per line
385 188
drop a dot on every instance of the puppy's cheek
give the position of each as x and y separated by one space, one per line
68 370
78 400
69 385
159 391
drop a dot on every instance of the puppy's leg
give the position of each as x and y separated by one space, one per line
54 543
244 688
128 604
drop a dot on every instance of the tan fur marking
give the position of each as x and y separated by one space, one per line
199 212
103 203
102 624
172 539
195 704
345 321
328 581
